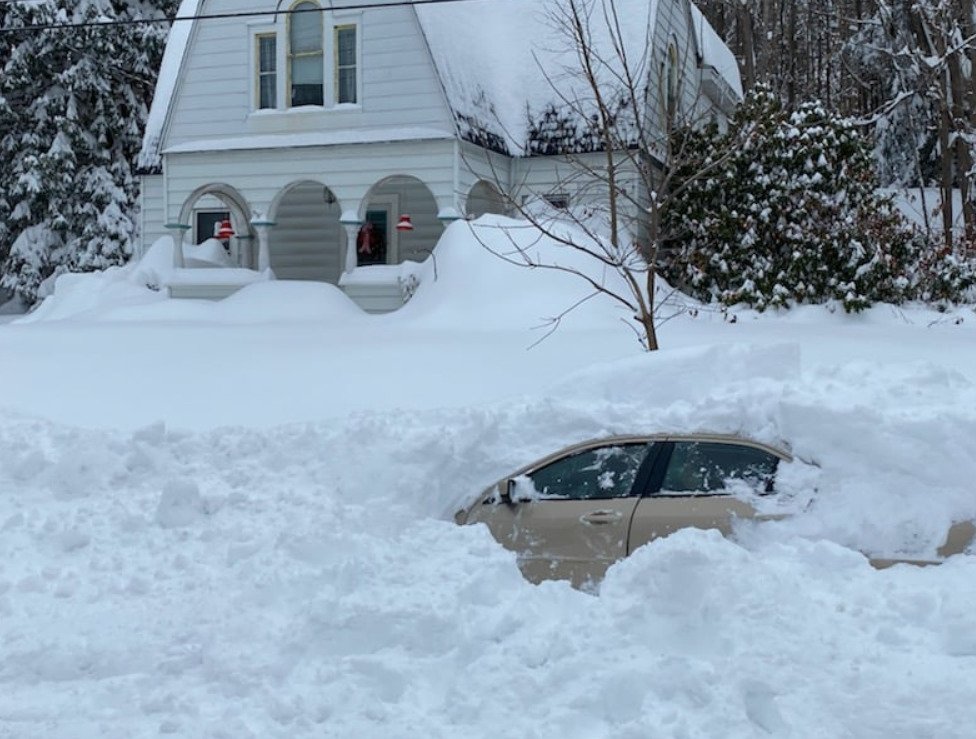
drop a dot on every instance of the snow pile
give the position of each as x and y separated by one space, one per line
236 521
169 70
504 63
305 580
923 207
478 278
475 279
137 292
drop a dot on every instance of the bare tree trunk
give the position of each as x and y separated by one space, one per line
964 95
946 184
748 43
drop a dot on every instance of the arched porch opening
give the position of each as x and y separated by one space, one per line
307 241
379 241
210 205
483 198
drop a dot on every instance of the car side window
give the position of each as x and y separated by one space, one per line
604 472
704 467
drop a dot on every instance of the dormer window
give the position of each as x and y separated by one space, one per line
306 65
308 57
671 83
267 50
345 74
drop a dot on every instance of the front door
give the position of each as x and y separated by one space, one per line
372 244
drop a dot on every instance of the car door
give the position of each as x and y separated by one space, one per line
693 485
569 518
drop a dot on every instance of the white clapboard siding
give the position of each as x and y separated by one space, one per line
416 201
261 176
152 220
477 164
215 94
673 26
308 242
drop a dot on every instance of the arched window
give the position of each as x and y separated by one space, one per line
671 82
306 66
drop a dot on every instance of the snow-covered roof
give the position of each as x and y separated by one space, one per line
311 138
713 51
169 71
511 71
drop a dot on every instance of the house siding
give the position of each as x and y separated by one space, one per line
262 175
673 24
214 99
308 243
276 164
414 200
152 220
476 164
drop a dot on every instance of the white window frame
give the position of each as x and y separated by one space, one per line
281 29
256 32
337 21
259 73
326 44
671 92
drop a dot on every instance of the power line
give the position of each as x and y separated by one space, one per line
216 16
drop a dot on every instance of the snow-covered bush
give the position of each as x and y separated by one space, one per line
72 107
788 213
944 276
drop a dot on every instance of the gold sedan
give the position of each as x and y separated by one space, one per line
572 514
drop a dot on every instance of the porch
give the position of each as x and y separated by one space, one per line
372 250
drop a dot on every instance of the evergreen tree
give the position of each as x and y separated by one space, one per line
72 103
792 216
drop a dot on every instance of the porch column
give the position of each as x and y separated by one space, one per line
262 225
351 222
177 231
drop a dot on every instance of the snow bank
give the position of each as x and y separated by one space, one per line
137 292
923 206
212 571
305 581
169 71
477 279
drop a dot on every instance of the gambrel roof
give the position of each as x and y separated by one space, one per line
509 70
169 70
512 73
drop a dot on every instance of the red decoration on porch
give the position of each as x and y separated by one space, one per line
404 224
225 231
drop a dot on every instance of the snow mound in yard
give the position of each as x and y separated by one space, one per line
476 279
470 281
137 292
305 580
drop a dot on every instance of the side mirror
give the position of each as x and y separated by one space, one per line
513 490
506 491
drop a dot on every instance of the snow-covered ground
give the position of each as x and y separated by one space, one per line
234 519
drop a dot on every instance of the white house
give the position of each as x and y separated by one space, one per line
301 121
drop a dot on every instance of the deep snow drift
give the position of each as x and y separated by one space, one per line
233 520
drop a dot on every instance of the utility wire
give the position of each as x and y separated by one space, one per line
217 16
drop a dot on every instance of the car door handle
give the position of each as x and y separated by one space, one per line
600 518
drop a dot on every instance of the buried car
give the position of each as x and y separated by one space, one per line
572 514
